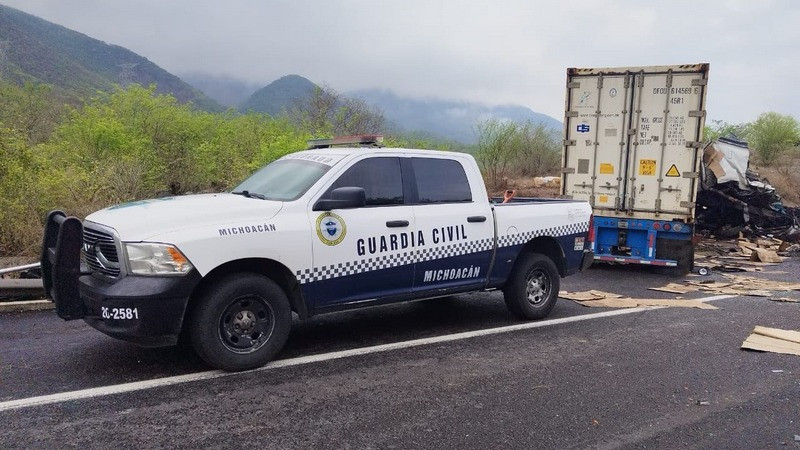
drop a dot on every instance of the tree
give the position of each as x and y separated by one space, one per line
720 128
516 148
326 112
540 150
773 135
497 148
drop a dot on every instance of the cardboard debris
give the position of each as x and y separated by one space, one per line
766 256
600 299
675 288
785 299
751 283
741 255
773 340
737 285
628 302
587 295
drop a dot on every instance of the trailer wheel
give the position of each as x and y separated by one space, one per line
532 289
241 323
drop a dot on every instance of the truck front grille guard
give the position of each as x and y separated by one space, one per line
61 264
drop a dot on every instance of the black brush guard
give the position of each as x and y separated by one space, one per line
61 264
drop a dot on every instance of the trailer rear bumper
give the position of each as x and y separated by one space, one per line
631 260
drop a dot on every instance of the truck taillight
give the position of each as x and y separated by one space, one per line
590 238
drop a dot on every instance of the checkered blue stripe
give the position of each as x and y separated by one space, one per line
311 275
561 230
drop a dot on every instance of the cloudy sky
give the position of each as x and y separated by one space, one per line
491 51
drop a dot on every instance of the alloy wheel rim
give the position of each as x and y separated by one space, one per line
537 288
246 324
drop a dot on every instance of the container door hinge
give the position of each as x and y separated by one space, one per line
573 85
568 170
687 205
699 82
691 174
568 143
693 144
571 114
701 113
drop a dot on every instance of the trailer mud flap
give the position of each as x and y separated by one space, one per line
61 264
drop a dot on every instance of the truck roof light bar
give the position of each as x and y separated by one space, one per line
363 140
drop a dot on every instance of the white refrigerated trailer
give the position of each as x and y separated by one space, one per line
632 149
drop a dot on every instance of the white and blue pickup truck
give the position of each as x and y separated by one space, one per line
320 230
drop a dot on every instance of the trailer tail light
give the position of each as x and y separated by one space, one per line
666 227
590 238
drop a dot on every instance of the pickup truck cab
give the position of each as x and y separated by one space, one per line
320 230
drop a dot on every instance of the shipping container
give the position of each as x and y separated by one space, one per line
632 149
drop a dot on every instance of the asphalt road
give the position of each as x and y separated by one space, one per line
671 377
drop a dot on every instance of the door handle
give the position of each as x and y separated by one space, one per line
397 223
473 219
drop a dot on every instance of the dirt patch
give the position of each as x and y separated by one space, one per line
542 187
784 177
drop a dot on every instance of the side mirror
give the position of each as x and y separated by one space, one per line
342 198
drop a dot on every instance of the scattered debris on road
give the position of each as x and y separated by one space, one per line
743 255
773 340
736 285
600 299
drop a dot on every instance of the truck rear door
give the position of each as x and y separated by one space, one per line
458 228
632 139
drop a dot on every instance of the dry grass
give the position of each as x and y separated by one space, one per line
784 177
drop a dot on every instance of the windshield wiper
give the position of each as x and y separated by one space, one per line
249 194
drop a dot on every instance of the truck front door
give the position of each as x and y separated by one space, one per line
363 253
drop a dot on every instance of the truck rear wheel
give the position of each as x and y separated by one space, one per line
241 323
532 289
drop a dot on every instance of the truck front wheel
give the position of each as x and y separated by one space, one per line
241 322
532 289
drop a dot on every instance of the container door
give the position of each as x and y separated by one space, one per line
668 118
597 139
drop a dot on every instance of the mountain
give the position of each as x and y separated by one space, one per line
278 96
224 89
447 118
33 49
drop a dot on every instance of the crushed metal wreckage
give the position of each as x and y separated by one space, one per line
733 199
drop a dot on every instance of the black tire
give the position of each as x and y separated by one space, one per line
531 291
241 323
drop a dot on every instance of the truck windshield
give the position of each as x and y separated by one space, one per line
283 180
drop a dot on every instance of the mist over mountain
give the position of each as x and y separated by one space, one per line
450 119
224 89
442 119
35 50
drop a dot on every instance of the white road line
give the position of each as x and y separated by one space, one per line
213 374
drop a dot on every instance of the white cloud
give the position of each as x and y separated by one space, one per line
497 52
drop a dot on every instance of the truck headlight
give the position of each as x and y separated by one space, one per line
156 259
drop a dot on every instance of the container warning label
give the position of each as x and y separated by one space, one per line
647 167
606 169
673 171
602 199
